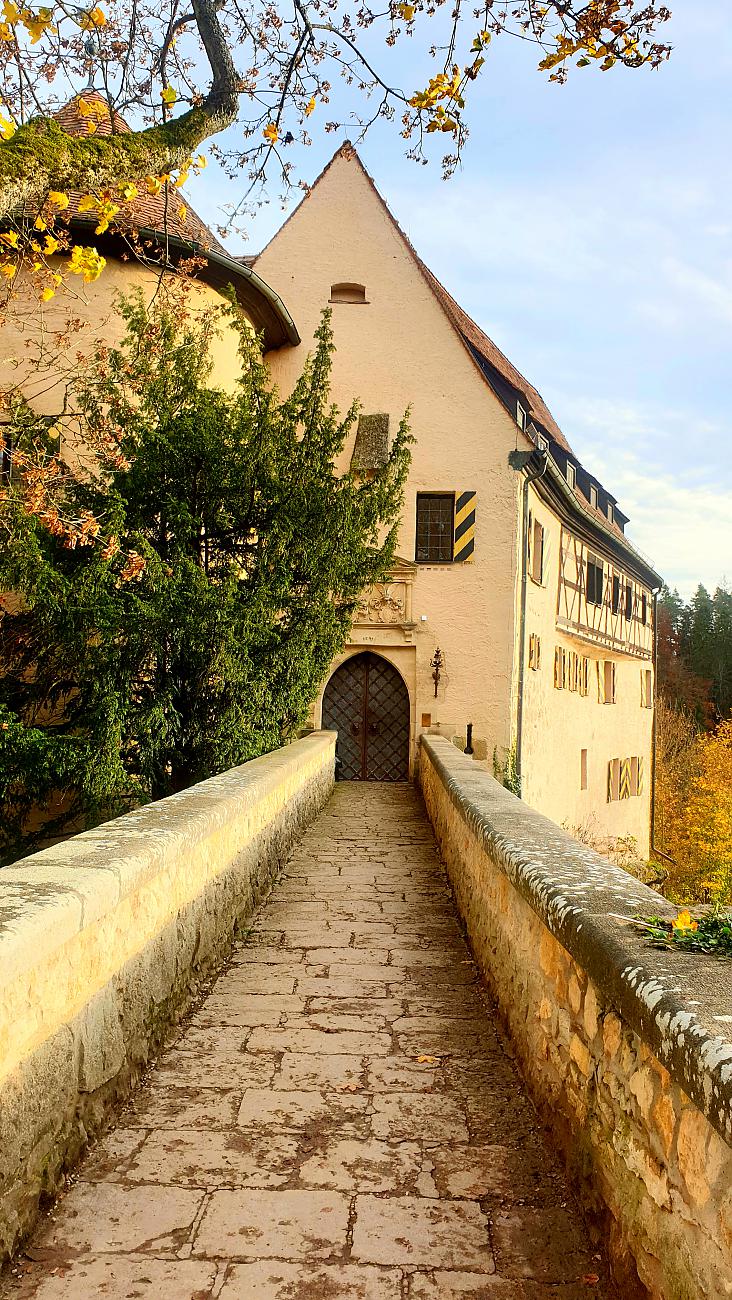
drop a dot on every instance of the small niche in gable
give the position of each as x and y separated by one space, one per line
348 293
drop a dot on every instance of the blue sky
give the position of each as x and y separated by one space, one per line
589 232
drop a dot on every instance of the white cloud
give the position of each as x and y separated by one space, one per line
681 521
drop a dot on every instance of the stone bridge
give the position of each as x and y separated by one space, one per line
434 1061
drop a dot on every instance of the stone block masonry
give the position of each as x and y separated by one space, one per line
106 940
625 1049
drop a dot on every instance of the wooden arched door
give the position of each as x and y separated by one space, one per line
367 703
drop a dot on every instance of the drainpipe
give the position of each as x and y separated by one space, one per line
534 464
654 732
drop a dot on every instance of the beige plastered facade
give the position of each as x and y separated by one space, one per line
38 346
399 350
560 722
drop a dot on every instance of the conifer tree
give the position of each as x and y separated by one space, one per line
195 633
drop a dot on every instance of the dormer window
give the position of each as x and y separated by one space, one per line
520 416
610 512
593 496
348 292
571 475
542 442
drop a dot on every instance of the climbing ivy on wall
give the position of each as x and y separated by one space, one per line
217 563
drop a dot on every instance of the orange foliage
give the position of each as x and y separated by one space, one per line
694 807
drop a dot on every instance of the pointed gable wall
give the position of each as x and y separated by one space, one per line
400 349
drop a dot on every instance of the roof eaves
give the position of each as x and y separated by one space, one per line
237 269
577 507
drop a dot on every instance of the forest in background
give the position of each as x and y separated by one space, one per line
693 807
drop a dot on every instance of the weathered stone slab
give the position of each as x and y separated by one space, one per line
347 1043
303 1070
276 1280
255 1224
120 1277
215 1158
412 1115
290 1111
106 1217
422 1233
366 1166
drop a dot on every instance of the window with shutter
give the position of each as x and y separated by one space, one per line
435 527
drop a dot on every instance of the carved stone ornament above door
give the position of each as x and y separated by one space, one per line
389 603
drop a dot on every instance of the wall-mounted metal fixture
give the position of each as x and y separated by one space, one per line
436 664
469 746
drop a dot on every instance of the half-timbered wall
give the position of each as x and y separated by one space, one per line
605 624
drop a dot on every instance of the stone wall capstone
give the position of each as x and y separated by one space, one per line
625 1049
108 938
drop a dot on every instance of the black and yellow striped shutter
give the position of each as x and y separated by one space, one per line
464 546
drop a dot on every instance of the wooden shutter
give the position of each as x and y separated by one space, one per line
625 778
464 548
643 687
601 680
640 776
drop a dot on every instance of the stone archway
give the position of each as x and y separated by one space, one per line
367 703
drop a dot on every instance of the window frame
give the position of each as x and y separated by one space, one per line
615 594
594 562
629 602
537 535
571 475
593 497
434 496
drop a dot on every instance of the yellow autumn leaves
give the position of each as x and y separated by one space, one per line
443 98
22 247
271 132
694 808
39 21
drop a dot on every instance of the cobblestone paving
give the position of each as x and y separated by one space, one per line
339 1120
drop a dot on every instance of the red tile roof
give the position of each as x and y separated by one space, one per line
466 326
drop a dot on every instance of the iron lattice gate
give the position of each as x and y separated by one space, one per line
367 703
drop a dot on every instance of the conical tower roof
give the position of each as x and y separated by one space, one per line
166 212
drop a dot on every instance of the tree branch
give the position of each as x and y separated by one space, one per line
41 156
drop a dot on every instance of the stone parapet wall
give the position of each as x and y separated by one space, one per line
105 941
626 1050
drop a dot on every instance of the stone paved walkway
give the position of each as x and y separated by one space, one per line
339 1121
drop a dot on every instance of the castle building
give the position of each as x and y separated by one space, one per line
517 603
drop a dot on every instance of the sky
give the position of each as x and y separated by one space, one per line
589 232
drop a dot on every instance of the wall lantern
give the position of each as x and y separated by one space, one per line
436 664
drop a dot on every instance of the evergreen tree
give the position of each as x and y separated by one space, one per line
229 559
721 655
699 632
